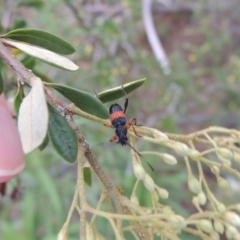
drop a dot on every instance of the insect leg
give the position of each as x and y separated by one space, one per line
113 138
132 122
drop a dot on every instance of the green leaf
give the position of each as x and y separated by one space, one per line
29 62
62 136
45 143
87 176
118 92
43 55
43 77
42 39
18 99
84 100
1 84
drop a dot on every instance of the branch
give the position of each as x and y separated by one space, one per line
75 12
22 72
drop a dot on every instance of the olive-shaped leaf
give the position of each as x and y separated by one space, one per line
62 136
42 39
120 91
42 76
18 99
1 83
84 100
45 143
29 62
43 55
33 117
87 176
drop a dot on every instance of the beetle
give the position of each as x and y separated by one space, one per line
120 123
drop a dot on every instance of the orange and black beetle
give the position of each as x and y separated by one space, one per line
119 121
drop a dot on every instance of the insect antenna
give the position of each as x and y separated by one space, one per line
141 156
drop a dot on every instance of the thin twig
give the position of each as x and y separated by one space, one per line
20 70
75 12
81 191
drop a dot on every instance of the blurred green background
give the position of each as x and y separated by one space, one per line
201 40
